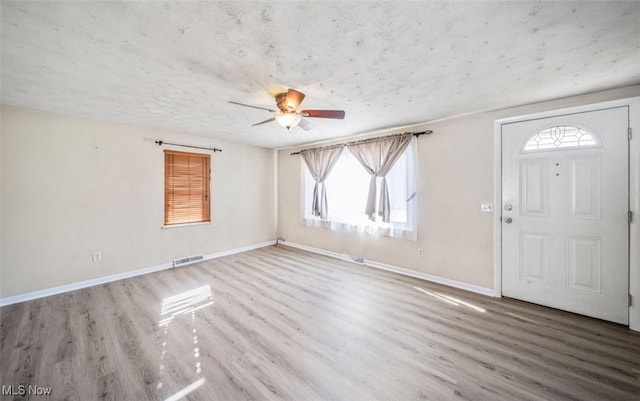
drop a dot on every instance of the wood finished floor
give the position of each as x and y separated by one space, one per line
287 324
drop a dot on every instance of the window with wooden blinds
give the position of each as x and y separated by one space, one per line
186 187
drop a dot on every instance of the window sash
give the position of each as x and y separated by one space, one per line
186 187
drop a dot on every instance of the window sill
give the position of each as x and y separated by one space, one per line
374 229
200 223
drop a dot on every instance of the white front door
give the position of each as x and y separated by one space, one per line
565 203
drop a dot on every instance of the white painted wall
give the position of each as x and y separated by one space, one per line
456 174
72 186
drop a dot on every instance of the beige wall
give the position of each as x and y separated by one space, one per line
72 186
456 174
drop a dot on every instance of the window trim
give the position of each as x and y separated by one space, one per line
205 211
178 225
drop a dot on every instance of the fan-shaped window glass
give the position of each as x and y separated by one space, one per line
561 137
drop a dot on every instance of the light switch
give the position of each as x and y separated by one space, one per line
486 207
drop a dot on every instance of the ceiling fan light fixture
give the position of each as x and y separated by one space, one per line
288 115
288 120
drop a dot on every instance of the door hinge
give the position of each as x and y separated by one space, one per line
630 216
630 300
629 132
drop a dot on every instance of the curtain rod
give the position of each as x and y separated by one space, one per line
160 143
416 134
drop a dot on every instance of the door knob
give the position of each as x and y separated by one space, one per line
508 207
508 220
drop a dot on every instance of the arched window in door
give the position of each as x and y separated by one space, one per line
561 137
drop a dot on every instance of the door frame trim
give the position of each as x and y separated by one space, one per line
634 192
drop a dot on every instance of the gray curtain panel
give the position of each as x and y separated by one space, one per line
378 156
320 162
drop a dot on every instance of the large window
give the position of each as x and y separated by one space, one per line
186 187
347 187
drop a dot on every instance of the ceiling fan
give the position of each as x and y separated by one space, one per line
288 115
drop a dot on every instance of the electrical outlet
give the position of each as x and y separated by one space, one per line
96 257
420 252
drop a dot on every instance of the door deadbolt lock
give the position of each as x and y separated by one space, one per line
508 220
508 207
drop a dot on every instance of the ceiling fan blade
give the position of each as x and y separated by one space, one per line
294 98
338 114
253 107
306 124
268 120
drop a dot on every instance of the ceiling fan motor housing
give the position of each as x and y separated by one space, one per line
281 102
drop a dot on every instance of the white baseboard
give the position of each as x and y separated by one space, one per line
406 272
115 277
239 250
436 279
312 249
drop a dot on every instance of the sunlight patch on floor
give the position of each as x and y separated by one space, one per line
185 391
451 300
185 303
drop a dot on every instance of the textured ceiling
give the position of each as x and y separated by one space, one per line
173 66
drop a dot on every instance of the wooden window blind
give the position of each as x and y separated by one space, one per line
187 179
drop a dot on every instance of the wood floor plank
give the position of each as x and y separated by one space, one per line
278 323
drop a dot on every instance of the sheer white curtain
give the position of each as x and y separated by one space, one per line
377 156
320 162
